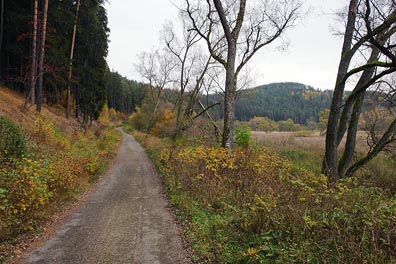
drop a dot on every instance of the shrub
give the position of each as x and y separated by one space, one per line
251 206
104 116
165 126
243 136
51 175
48 136
24 190
12 139
138 120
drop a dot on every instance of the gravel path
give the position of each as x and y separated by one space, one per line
125 220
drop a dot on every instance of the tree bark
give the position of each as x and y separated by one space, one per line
1 37
230 96
330 163
31 98
68 96
41 59
350 144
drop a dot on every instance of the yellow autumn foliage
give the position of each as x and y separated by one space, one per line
253 206
58 168
104 116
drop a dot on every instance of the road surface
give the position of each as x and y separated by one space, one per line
125 220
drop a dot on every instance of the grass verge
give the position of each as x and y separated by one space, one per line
253 206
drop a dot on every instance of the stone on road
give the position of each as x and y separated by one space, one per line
125 220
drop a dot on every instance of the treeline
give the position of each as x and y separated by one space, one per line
71 38
123 95
279 101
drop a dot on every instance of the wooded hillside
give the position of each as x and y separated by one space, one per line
279 101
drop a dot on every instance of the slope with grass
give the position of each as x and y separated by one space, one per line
57 160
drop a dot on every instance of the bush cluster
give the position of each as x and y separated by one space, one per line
252 206
54 169
12 139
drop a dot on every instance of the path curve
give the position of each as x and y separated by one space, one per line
127 219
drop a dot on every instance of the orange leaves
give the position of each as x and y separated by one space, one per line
165 125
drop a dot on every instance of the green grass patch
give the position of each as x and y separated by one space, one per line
303 159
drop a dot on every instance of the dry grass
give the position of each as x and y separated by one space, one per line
286 141
11 104
281 141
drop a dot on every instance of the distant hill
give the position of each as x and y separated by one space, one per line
280 101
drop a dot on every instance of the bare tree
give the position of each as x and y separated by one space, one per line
186 59
369 43
68 96
39 99
156 68
234 31
199 82
192 68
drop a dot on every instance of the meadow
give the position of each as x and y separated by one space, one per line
268 203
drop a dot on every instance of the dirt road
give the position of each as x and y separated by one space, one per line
125 220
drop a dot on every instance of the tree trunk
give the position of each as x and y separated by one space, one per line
350 144
374 152
216 128
181 97
68 96
154 114
330 163
194 97
350 121
1 37
179 115
41 59
230 96
31 98
231 77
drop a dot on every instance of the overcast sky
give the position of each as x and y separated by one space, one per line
311 58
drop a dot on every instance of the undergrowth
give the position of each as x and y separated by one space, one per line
53 168
254 206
